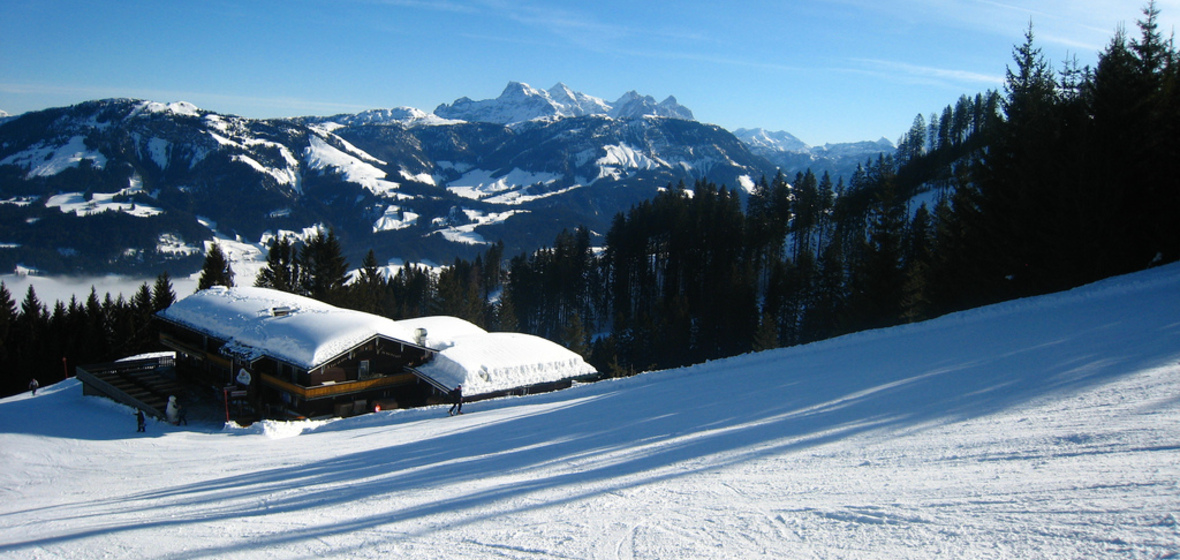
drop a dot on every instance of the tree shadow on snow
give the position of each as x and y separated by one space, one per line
615 435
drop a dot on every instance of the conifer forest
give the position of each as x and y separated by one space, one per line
1065 176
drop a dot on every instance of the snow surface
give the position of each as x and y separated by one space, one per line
1039 428
395 218
620 159
321 155
76 203
179 108
44 160
477 184
465 233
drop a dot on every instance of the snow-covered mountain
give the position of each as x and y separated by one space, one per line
1039 428
520 103
793 155
406 116
406 183
780 141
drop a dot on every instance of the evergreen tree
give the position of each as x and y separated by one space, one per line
766 337
915 304
216 270
162 294
282 271
370 287
7 317
506 313
575 338
324 271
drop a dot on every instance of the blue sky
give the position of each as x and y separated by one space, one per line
826 71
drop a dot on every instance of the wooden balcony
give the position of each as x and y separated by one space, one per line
336 389
171 342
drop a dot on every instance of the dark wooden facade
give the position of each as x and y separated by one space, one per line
377 373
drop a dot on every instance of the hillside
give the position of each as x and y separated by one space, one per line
135 187
1037 428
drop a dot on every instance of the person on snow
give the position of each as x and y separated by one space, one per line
457 400
172 411
33 385
140 420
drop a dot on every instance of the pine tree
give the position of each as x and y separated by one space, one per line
574 336
7 317
370 287
282 271
217 270
162 294
324 270
506 313
766 337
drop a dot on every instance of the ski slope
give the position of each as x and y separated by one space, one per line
1040 428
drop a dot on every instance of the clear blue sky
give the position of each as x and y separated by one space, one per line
826 71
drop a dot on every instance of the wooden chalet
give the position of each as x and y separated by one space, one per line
275 354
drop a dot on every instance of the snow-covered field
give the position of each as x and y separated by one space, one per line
1040 428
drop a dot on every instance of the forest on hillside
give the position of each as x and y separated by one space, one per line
1064 177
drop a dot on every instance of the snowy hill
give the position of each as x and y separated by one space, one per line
1038 428
112 185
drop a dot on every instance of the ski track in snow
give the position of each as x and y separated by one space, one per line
1039 428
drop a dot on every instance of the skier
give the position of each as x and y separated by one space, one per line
139 419
457 399
33 385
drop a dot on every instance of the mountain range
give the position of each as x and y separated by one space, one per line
136 186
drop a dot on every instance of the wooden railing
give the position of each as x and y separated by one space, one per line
336 389
175 344
93 383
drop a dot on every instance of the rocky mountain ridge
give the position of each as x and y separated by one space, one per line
137 186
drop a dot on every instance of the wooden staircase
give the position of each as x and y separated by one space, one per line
143 384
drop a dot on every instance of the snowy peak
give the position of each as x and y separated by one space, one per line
520 102
405 116
780 140
858 148
632 105
576 104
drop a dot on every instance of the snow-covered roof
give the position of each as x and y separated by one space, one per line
303 332
486 362
490 362
309 333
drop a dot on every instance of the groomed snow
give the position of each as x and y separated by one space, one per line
1039 428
